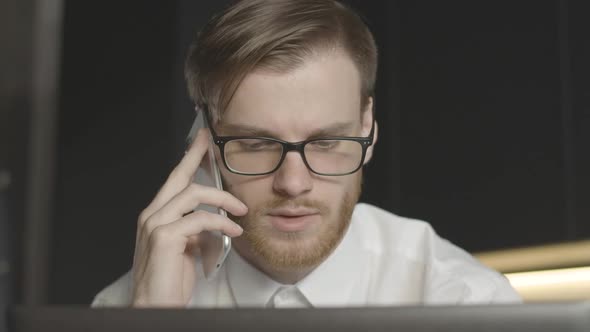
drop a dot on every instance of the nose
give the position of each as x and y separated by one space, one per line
293 178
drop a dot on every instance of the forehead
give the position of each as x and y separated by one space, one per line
325 89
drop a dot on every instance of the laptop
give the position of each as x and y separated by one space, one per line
561 317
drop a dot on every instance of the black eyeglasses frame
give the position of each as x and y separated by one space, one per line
220 142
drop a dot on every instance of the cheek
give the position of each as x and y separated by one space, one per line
334 193
251 190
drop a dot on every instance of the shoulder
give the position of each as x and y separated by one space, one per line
117 294
384 233
449 274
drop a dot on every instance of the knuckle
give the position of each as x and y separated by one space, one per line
144 233
201 218
143 217
194 188
147 227
190 195
160 236
200 214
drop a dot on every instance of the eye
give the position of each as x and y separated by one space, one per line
256 145
325 145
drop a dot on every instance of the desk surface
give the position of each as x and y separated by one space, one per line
562 317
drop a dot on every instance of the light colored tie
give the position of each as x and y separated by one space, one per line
289 297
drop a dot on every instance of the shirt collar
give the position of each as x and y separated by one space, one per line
335 282
250 287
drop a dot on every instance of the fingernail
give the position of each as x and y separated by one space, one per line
244 206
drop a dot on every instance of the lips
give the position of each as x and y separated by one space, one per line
293 219
297 212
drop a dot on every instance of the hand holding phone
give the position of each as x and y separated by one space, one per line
214 245
169 230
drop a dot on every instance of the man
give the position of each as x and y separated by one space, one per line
294 79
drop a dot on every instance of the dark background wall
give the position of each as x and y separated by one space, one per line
16 19
482 108
482 132
578 46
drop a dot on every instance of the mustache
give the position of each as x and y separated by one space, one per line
263 209
281 202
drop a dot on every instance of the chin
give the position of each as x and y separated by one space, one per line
294 250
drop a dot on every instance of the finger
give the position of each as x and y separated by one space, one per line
190 198
185 202
200 221
182 235
176 235
182 175
178 179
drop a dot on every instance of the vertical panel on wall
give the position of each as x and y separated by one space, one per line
6 256
15 111
579 45
114 147
481 122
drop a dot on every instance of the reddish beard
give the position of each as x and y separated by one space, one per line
298 250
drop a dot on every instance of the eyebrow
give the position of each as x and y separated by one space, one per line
336 129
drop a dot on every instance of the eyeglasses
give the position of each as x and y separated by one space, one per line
329 156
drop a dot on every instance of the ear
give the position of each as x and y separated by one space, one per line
367 123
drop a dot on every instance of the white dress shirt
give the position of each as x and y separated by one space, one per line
383 260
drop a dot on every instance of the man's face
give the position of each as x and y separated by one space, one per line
296 218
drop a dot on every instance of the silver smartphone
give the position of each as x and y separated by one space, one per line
214 246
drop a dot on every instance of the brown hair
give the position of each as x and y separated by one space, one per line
275 35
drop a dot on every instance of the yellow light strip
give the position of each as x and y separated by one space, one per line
538 258
552 285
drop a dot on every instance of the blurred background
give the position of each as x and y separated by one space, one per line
483 111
